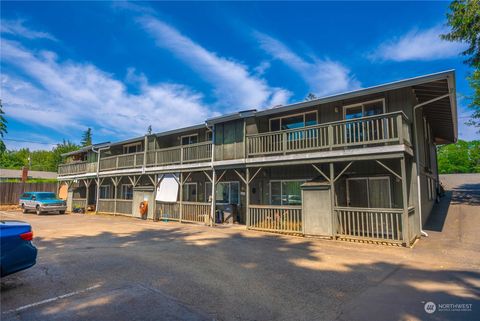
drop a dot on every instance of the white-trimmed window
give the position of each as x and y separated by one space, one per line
105 192
190 192
286 192
190 139
127 191
371 192
294 121
364 109
225 192
132 148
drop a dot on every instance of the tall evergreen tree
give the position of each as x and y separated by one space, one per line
3 128
87 138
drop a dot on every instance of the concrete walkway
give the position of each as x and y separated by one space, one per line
118 268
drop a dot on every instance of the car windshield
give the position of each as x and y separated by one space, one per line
45 196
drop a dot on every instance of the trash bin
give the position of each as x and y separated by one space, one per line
218 216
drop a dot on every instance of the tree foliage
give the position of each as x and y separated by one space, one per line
464 20
462 157
87 137
40 160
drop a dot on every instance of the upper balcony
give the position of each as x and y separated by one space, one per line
79 167
391 128
383 129
177 155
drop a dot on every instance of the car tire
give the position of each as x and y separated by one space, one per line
61 212
37 210
24 210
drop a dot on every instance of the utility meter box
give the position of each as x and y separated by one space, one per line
140 194
317 209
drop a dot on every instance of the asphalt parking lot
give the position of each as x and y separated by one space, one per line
94 267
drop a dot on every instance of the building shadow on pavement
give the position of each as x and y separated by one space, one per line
189 273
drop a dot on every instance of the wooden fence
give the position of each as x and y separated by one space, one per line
11 191
370 223
284 219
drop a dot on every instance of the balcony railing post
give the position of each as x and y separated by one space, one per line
116 162
181 155
284 142
400 128
330 137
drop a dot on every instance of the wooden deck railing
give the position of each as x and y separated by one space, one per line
168 211
79 202
382 224
72 168
196 212
372 130
121 161
106 205
125 206
180 154
285 218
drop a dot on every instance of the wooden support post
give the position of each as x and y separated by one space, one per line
214 202
144 154
247 207
405 227
115 181
155 185
180 210
332 200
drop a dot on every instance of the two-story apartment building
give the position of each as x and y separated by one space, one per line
357 165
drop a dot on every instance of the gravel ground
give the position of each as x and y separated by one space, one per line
118 268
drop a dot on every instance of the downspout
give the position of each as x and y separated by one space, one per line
98 175
417 157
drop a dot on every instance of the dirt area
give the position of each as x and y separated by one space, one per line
93 267
14 207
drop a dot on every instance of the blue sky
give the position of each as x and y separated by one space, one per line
119 67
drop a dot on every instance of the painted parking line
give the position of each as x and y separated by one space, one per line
31 305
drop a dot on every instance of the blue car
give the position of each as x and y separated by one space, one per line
17 251
41 202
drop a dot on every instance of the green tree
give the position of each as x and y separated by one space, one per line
3 128
87 137
462 157
464 20
64 147
310 96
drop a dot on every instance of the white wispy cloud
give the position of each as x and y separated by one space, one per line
324 76
17 28
235 86
70 96
418 45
